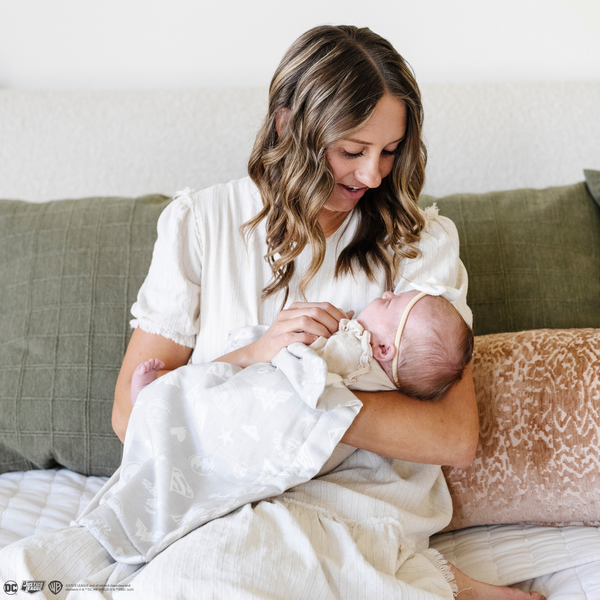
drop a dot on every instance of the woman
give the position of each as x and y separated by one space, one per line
330 212
336 171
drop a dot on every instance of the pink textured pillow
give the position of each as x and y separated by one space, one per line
538 459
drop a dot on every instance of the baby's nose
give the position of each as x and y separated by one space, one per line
387 295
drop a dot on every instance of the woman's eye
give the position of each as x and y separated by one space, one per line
346 154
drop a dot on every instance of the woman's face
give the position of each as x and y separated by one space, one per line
362 160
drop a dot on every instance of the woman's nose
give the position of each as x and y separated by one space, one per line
369 173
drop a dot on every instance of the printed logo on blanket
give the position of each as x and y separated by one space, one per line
202 464
179 484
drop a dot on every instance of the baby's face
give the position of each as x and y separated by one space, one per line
384 314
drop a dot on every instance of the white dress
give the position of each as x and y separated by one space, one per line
360 531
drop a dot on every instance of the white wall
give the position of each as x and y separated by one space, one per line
86 44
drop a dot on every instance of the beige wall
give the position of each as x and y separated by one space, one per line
86 44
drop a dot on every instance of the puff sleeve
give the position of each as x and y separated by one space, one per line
440 258
168 302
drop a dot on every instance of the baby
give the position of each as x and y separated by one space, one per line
382 349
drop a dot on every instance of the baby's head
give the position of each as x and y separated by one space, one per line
434 348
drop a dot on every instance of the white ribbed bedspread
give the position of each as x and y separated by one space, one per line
562 563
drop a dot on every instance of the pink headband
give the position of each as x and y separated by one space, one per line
399 335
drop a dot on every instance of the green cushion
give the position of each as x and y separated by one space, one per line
69 273
533 257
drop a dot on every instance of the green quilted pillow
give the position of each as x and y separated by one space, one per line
533 256
69 273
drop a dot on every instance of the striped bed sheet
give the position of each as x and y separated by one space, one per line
563 563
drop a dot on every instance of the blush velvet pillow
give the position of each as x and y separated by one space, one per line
538 459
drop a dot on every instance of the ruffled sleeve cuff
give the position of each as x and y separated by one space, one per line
149 327
168 303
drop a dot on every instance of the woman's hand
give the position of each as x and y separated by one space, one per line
301 322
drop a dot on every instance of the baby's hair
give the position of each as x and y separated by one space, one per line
435 352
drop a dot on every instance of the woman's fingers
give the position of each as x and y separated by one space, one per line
299 336
327 307
317 318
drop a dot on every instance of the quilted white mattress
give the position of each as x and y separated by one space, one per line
33 502
561 563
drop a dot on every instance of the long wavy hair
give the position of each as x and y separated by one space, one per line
331 80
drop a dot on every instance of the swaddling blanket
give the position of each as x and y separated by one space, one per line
209 438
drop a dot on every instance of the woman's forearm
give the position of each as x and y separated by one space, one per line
443 433
121 408
242 357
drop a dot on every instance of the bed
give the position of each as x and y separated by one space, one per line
504 158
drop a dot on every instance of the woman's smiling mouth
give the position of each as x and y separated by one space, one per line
353 192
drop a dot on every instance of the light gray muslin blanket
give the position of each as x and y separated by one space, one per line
208 438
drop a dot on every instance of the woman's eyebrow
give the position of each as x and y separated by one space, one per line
370 143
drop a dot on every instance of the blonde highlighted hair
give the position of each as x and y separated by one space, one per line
330 81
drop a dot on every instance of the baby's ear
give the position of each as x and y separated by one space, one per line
383 351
